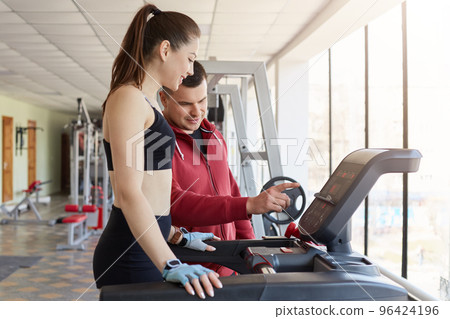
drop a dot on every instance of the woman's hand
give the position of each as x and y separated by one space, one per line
194 278
195 240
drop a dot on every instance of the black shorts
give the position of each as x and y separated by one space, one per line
119 259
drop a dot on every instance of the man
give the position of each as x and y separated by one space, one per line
205 195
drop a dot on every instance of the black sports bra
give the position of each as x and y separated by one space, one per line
159 145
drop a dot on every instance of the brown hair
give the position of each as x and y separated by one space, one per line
143 35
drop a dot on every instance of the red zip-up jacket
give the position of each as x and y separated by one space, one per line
205 195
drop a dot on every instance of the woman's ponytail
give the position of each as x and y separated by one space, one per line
150 26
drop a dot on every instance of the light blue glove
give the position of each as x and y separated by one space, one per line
184 273
195 240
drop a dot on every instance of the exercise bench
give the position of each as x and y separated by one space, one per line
14 214
77 226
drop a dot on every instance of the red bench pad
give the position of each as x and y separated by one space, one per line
71 208
74 219
89 208
33 187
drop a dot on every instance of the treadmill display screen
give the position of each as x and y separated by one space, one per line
329 197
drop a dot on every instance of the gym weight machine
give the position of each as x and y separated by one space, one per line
88 163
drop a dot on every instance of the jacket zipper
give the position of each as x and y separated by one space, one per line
206 160
215 190
213 185
210 175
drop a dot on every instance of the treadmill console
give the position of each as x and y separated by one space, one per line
347 187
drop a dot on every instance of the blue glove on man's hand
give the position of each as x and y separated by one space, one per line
195 240
184 273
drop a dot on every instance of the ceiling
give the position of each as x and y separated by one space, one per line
54 51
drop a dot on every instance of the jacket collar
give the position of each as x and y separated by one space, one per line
206 127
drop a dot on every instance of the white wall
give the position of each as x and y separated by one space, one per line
48 145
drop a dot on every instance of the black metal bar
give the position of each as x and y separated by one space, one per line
329 114
366 131
405 142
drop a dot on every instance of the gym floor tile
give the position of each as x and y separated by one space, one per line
56 263
8 284
88 280
61 285
50 296
82 290
48 271
22 275
75 267
58 275
39 279
68 276
28 289
18 299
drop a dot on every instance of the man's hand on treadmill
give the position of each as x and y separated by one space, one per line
270 200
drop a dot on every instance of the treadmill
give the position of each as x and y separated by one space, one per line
319 266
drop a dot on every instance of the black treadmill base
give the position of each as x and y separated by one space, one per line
328 286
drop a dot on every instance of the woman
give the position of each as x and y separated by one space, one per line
158 49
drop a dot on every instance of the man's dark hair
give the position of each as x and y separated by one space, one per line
197 78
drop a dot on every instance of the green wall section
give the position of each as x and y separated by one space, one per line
48 145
